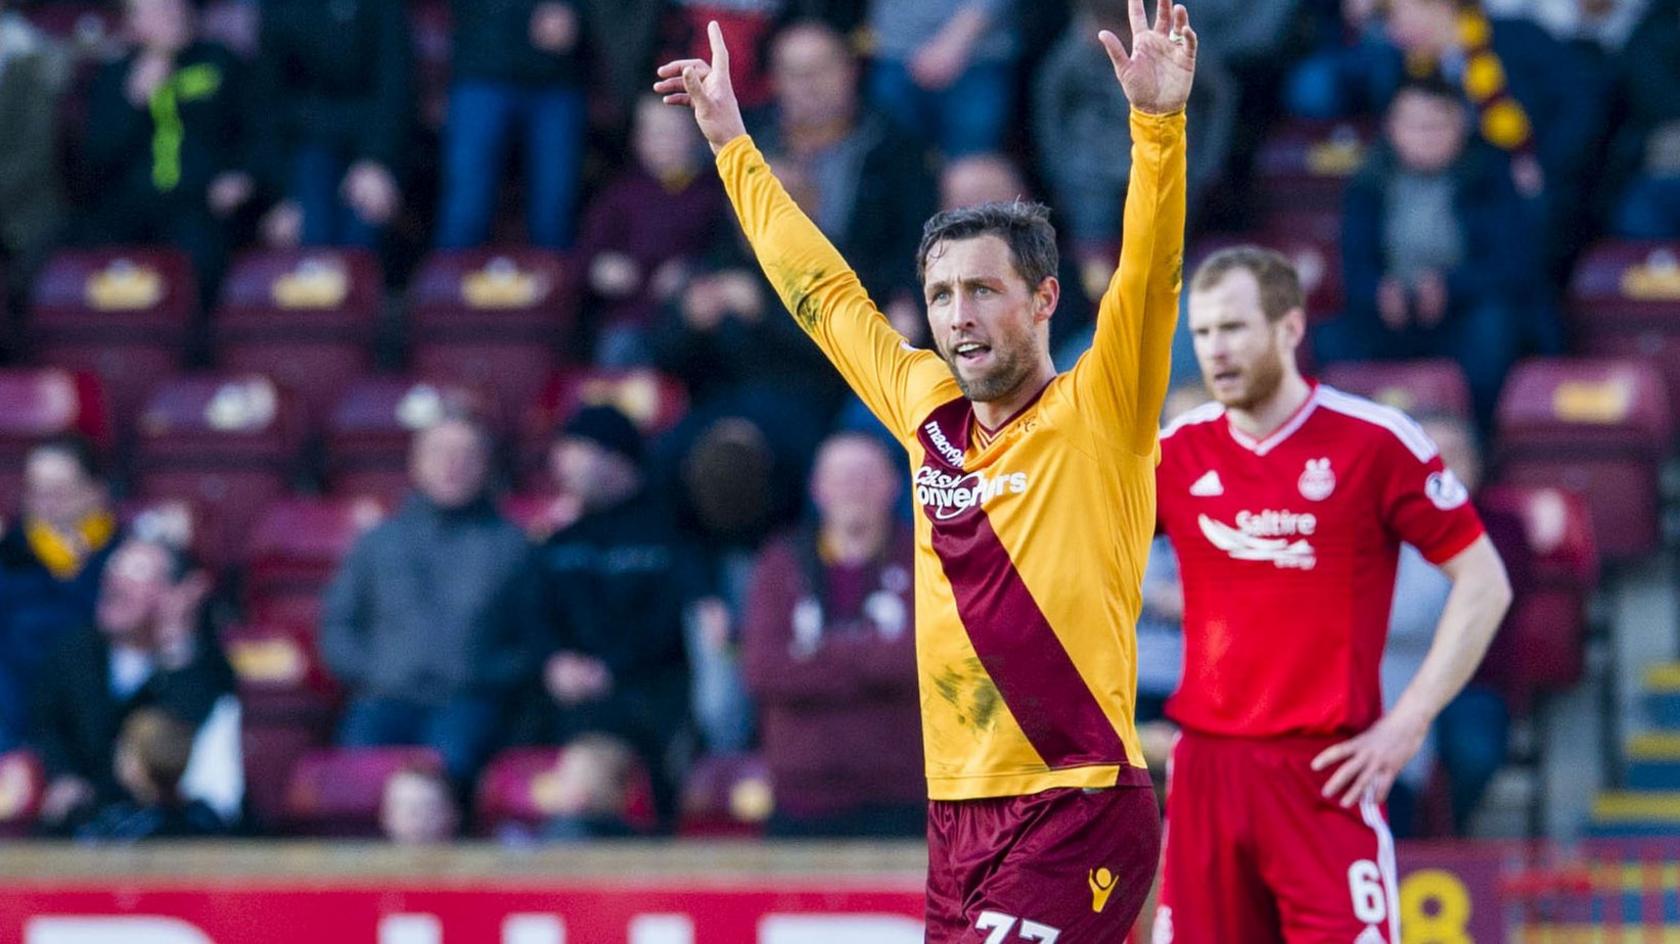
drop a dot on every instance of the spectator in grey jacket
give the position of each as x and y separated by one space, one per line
1084 140
426 623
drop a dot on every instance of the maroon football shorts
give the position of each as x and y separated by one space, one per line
1255 853
1066 866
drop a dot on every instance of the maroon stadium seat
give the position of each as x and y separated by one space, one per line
307 318
1305 165
1596 427
492 318
21 785
1548 619
36 403
726 796
1624 301
281 677
296 544
227 442
273 746
517 790
1414 387
337 791
654 401
1318 261
368 430
124 314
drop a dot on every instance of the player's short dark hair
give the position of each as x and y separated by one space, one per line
1280 285
1430 85
1024 226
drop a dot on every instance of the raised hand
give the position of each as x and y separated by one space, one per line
705 87
1157 73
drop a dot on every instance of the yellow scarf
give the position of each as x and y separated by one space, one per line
1500 118
63 554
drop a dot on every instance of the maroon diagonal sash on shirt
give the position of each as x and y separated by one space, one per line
1017 646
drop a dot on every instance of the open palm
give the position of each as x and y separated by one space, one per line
1156 74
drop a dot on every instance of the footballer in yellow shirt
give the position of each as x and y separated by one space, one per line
1037 499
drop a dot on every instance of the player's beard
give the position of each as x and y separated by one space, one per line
1011 364
1265 376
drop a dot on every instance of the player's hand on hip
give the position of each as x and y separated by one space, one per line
1157 72
1370 761
705 87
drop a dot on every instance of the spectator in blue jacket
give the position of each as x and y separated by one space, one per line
1434 253
51 562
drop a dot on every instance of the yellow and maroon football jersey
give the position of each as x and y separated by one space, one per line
1032 538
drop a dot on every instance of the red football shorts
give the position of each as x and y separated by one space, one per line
1069 865
1255 854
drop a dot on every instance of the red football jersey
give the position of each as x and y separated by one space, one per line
1287 549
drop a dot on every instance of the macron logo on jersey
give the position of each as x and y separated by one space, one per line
1275 537
936 435
1208 486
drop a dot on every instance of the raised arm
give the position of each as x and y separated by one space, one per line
815 283
1127 368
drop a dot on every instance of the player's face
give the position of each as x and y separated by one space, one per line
986 322
1243 355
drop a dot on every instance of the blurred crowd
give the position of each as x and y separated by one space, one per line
741 582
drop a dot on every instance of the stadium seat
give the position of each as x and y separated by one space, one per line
296 544
228 443
36 403
517 790
652 400
726 796
1417 388
1317 259
282 681
1599 428
1624 301
272 748
307 318
22 784
368 431
1305 165
492 318
337 791
1548 619
124 314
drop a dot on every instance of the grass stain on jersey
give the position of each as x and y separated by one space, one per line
967 688
799 288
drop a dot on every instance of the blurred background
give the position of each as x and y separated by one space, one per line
398 441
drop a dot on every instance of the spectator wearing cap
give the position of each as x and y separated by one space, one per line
147 647
426 622
830 655
152 759
616 587
51 562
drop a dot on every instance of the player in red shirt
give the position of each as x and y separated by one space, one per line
1287 502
